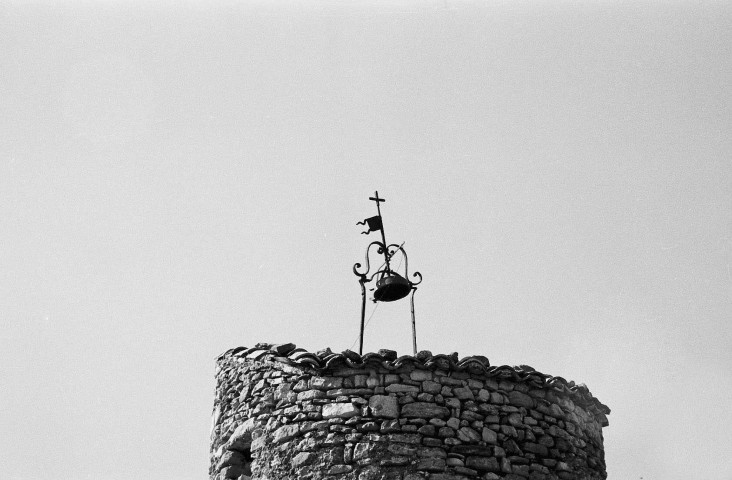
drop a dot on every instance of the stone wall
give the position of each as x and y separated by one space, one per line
284 413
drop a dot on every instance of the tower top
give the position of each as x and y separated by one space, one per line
281 412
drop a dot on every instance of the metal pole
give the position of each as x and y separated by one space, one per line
414 324
363 314
383 235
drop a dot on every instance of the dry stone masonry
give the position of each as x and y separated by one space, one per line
282 413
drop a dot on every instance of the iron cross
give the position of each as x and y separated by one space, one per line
378 201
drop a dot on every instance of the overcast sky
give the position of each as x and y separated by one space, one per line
184 178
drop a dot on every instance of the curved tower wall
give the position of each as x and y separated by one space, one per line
284 413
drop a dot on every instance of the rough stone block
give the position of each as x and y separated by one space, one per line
451 382
489 436
373 382
402 449
370 473
424 410
258 443
512 447
402 388
520 399
388 426
340 410
466 471
413 438
467 434
232 471
431 452
368 427
522 470
230 458
425 397
506 386
428 386
303 458
242 436
546 440
475 384
497 398
432 442
339 469
420 375
285 432
463 393
536 448
437 422
308 395
475 450
515 419
394 460
326 383
483 463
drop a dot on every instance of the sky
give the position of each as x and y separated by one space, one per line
181 178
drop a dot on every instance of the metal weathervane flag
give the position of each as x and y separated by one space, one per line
374 224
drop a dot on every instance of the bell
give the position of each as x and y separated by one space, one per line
392 287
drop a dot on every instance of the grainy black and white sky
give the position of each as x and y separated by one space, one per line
180 178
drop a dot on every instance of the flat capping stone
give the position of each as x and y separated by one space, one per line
326 362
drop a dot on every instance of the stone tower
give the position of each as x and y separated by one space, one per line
282 413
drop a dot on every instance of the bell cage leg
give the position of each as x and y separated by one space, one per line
414 324
363 313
